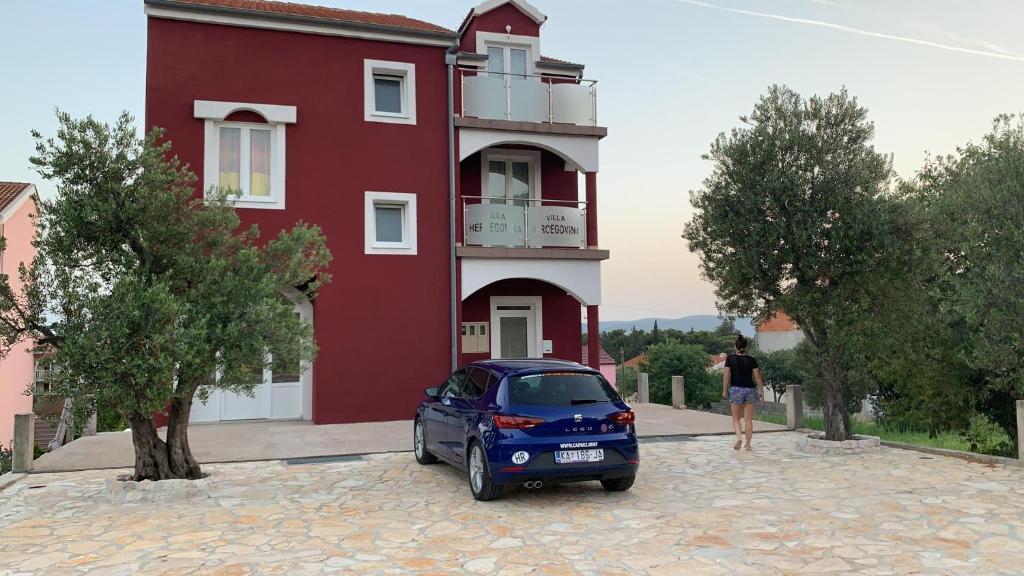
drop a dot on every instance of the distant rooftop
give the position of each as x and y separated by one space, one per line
779 322
9 191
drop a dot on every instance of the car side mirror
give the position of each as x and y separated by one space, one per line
431 392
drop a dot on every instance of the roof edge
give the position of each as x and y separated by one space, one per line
488 5
190 8
28 192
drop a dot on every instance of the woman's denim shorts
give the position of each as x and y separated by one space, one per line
742 396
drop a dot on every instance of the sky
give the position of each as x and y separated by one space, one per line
672 75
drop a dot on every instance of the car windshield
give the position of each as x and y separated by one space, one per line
560 389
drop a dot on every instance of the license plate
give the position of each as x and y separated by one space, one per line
577 456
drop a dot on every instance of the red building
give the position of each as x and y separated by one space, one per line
444 167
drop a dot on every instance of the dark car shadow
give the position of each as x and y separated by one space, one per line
455 479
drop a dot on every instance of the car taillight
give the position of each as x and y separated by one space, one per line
627 417
516 422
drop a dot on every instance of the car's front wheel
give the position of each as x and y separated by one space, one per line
619 484
419 443
480 482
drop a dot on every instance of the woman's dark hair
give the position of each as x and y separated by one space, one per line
741 342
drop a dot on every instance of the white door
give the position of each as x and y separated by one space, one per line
241 407
281 394
515 327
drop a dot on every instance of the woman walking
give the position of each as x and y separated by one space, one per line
738 387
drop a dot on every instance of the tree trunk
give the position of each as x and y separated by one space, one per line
837 420
151 462
156 459
183 465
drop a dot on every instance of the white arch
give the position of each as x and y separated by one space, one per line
581 279
272 113
580 152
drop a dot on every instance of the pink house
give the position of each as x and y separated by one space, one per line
607 364
18 228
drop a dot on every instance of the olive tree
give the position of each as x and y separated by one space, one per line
149 295
794 217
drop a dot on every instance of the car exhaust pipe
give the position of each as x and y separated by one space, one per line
533 484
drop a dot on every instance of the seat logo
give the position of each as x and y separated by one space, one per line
577 418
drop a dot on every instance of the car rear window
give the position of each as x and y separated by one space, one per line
560 389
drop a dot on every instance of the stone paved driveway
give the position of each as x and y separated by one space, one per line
699 508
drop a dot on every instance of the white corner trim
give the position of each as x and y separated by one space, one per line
532 156
408 246
443 40
405 70
272 113
20 199
211 163
527 8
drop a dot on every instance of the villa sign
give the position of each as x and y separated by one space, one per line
504 225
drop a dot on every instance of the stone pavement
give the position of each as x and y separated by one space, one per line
267 440
698 508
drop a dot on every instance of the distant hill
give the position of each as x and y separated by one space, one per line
706 322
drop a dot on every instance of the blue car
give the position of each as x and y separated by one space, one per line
528 422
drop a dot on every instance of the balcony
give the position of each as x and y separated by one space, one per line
524 223
528 98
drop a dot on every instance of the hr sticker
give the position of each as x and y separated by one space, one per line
520 457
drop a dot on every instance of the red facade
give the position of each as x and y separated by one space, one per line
383 324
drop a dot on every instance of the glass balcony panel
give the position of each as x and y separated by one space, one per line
484 97
529 99
557 226
495 225
572 104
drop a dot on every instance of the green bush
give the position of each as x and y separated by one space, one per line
691 361
5 459
986 437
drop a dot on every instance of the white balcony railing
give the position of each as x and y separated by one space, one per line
528 97
524 223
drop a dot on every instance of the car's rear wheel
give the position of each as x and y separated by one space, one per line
480 483
619 484
419 442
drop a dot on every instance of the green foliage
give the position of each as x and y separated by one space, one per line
147 292
674 358
985 436
624 345
6 458
781 368
794 217
727 328
108 419
990 440
625 380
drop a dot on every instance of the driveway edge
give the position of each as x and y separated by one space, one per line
9 479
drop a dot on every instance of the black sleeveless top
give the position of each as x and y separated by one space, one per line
741 370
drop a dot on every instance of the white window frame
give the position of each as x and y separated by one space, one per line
277 118
530 43
532 157
404 71
408 245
